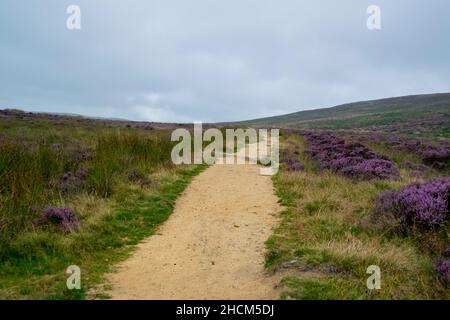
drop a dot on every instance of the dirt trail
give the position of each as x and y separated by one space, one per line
212 246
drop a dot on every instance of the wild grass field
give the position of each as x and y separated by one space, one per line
334 226
78 192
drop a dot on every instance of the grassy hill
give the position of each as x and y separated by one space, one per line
419 114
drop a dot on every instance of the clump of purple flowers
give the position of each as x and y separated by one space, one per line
443 269
296 166
289 156
418 205
82 172
349 158
66 218
72 183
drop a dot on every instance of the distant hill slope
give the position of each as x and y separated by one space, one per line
427 114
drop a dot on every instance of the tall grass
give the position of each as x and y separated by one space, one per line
115 211
29 172
117 152
25 173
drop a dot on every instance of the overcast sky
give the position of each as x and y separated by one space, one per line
217 60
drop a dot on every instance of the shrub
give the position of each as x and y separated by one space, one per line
443 269
349 158
82 172
424 206
70 183
65 218
290 157
296 166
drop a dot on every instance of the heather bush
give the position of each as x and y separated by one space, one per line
424 206
82 172
443 269
349 158
371 169
296 166
70 183
65 218
290 157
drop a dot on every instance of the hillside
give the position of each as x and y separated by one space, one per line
104 197
419 114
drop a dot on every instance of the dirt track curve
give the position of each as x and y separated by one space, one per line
212 246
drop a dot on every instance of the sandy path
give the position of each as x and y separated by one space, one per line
212 246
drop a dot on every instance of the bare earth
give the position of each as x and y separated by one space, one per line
212 246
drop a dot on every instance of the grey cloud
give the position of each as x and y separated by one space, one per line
179 60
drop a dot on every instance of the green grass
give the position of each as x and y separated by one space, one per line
36 263
115 212
30 171
328 238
